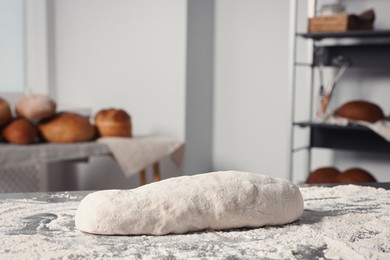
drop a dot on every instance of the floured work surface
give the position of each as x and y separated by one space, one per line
347 222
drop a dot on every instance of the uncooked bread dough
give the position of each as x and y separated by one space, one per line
216 200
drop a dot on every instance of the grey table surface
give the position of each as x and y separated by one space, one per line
41 225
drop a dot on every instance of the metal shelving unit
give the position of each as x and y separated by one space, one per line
373 51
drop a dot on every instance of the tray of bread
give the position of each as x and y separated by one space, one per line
35 120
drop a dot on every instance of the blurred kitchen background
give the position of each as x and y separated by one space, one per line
215 74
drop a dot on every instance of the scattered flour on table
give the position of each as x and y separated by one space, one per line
344 222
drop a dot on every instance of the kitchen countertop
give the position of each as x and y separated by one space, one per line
347 221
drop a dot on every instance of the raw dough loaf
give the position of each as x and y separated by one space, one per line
217 200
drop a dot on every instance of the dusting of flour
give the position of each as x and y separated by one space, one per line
344 222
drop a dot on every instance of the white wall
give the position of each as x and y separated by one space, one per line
38 66
12 48
124 54
251 86
128 54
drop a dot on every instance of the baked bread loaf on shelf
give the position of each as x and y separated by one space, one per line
323 175
67 127
333 175
113 122
20 131
355 175
5 112
360 110
35 107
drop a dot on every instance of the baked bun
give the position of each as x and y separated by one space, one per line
360 110
333 175
20 131
67 127
354 175
113 122
323 175
35 107
5 112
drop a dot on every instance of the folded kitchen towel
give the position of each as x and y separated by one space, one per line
137 153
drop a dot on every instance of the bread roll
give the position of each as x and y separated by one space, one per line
67 127
35 107
5 112
323 175
360 110
20 131
113 122
354 175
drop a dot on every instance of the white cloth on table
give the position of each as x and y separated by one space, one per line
135 154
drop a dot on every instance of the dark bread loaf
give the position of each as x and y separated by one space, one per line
5 112
323 175
332 175
354 175
360 110
67 127
20 131
113 122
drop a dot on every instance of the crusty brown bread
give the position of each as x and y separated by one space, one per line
355 175
333 175
323 175
35 107
67 127
360 110
20 131
5 112
113 122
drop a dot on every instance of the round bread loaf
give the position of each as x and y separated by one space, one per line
5 112
323 175
20 131
113 122
355 175
35 107
67 127
360 110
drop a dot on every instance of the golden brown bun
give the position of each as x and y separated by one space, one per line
67 127
35 107
5 112
323 175
360 110
113 122
355 175
20 131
